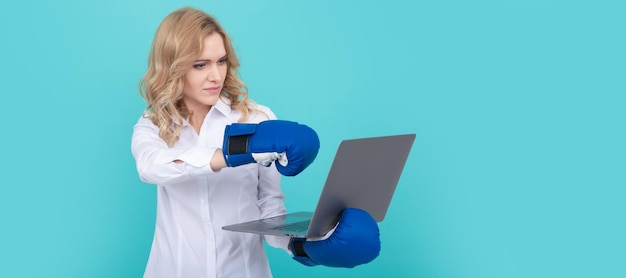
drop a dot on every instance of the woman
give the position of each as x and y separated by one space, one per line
188 143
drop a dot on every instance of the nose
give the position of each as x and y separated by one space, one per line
214 73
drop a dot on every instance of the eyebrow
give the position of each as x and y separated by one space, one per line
209 60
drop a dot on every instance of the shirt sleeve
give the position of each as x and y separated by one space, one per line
271 201
155 160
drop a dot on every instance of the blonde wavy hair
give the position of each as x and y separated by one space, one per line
178 42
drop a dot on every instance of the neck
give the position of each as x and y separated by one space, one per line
197 118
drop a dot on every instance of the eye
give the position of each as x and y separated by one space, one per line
222 61
199 66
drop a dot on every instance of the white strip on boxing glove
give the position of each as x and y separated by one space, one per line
266 159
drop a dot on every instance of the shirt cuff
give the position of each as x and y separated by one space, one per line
197 160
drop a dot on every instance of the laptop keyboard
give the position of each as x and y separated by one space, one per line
301 226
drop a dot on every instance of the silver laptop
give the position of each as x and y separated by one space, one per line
364 175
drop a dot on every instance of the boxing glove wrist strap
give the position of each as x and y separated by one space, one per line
238 144
297 247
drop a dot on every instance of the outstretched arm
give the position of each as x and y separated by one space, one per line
294 145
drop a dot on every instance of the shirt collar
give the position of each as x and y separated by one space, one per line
222 106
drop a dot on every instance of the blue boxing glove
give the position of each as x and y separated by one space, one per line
294 145
355 241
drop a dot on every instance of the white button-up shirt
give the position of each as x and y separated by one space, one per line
194 202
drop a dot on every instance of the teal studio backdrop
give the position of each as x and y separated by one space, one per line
518 168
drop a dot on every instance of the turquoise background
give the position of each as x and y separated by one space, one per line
518 169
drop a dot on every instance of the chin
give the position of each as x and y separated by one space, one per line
210 100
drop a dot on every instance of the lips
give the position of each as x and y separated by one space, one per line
213 89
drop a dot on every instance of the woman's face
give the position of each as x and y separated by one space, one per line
205 79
